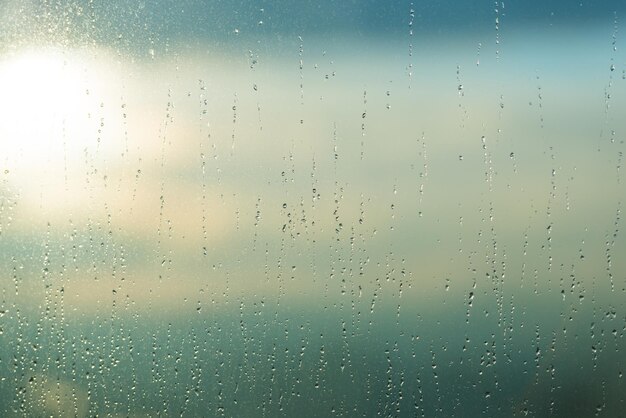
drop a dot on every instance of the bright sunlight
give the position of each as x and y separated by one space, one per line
52 107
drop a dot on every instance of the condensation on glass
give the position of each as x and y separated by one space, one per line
316 209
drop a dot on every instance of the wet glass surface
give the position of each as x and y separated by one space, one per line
312 209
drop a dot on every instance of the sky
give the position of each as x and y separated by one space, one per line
137 24
296 207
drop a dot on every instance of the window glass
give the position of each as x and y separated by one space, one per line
312 208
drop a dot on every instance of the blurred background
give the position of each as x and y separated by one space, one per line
281 208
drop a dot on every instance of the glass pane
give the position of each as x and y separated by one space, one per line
282 208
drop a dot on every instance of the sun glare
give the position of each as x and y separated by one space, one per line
44 100
53 110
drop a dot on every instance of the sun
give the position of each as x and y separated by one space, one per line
59 117
45 105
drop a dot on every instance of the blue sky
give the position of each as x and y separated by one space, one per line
130 23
